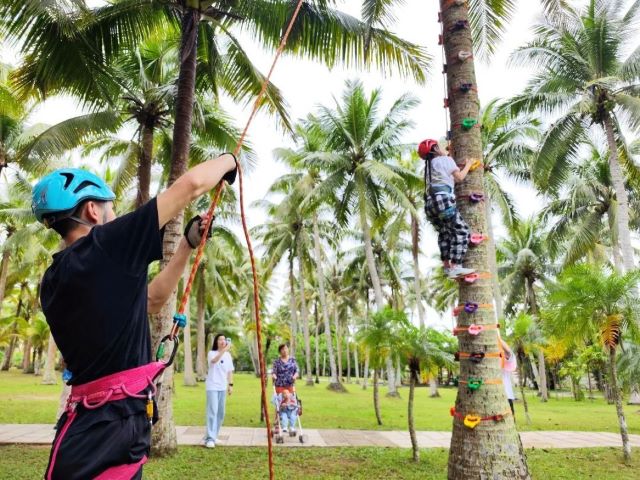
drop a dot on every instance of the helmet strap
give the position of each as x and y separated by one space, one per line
81 221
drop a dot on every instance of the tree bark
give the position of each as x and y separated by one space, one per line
368 248
305 319
365 372
334 381
144 164
433 387
49 377
617 179
392 390
294 312
376 396
317 345
492 449
412 427
417 281
356 362
542 367
493 263
201 347
164 438
8 354
336 322
348 356
4 271
617 397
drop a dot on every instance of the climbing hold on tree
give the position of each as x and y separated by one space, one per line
463 55
477 238
440 39
449 135
476 197
476 357
447 104
453 3
444 69
471 307
468 123
452 411
474 329
472 421
474 383
466 87
459 25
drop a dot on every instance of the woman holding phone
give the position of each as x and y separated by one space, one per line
219 383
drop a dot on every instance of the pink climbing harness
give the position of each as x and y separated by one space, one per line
114 387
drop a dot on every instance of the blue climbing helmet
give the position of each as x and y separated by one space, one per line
56 196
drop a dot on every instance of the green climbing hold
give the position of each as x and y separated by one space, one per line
160 352
469 123
474 383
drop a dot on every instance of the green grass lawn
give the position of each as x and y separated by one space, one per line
26 462
24 400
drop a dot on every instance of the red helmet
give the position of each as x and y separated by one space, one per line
425 147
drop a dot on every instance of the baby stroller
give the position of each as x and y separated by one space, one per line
276 431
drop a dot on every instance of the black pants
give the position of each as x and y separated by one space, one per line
95 445
513 412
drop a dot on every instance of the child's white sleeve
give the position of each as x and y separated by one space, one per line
452 165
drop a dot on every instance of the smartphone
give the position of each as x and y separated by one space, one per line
228 341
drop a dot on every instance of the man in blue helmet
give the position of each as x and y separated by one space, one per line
96 299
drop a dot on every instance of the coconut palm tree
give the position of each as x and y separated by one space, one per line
358 145
309 139
587 81
584 214
523 262
381 339
469 27
508 145
592 303
417 349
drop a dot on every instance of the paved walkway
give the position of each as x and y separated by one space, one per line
254 437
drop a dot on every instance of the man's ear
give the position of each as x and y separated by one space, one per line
92 212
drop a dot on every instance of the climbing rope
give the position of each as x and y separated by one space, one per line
179 317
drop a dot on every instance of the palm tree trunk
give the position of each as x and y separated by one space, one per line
376 396
617 397
189 379
8 354
49 377
317 345
334 382
368 249
365 372
4 271
412 427
356 362
144 164
617 179
492 449
525 404
392 390
201 347
415 237
348 355
433 386
493 263
542 368
398 374
336 322
293 308
305 320
164 439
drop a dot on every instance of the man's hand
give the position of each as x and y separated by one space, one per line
195 228
229 389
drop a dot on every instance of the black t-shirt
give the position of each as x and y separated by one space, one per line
94 296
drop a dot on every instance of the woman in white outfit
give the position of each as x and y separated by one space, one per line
509 366
219 383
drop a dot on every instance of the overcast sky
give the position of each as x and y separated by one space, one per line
306 85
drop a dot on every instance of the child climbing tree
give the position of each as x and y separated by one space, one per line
485 443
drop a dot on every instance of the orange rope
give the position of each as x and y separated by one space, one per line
200 252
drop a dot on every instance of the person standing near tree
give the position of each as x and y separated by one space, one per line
219 383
